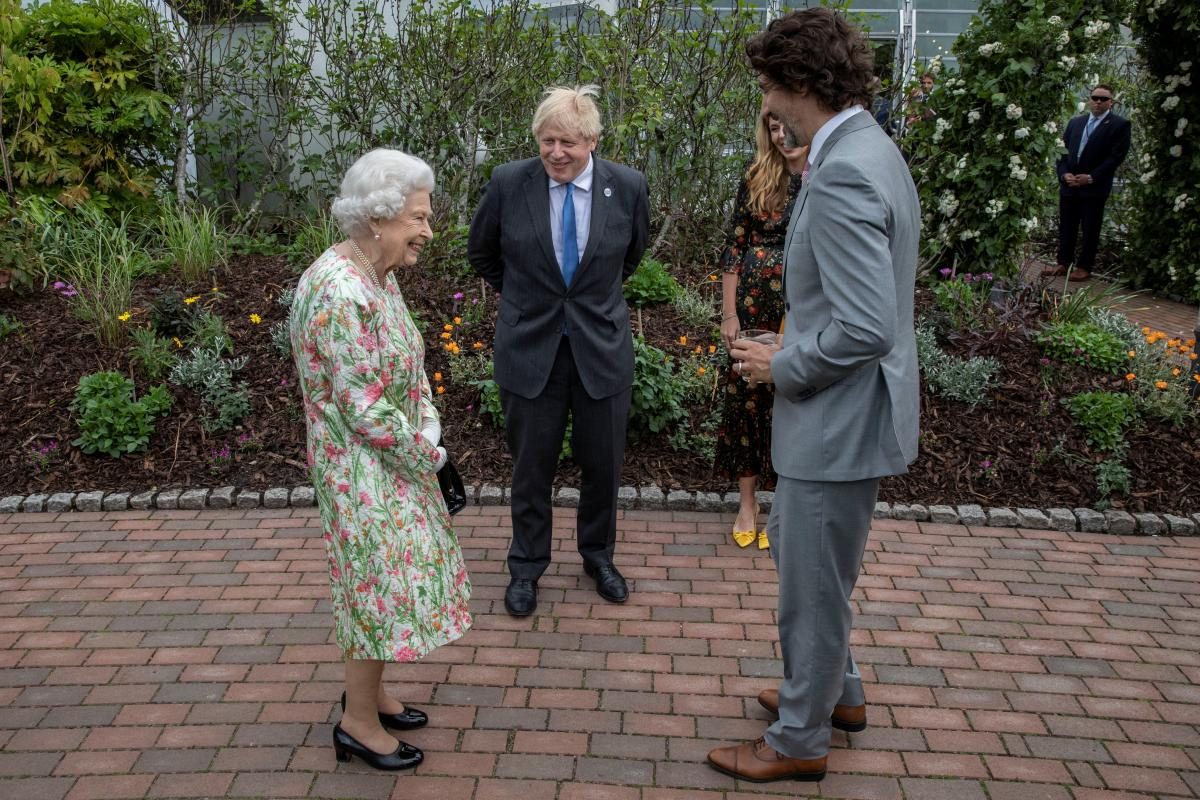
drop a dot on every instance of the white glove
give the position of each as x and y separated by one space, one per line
431 429
441 459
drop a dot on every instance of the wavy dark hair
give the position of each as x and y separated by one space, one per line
816 49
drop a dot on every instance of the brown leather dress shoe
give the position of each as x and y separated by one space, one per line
852 719
757 761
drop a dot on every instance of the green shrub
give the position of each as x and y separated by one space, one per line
1103 416
651 283
170 317
1112 477
8 326
966 380
962 298
154 356
210 332
1083 343
659 394
110 420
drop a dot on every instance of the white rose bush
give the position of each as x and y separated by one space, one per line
1164 232
996 134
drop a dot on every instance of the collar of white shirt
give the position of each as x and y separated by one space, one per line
829 127
1098 119
582 181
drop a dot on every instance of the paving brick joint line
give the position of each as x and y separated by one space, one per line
188 653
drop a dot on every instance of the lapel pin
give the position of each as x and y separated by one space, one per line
607 192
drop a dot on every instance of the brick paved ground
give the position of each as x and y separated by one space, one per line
164 654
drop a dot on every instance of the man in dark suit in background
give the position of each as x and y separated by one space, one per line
1096 145
557 235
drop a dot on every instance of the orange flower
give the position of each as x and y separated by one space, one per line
683 340
712 277
698 350
1190 342
444 335
447 327
1160 385
458 320
1132 353
441 390
1192 356
712 348
700 370
1129 376
437 377
1146 331
1175 372
477 346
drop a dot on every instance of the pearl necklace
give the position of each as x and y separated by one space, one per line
366 263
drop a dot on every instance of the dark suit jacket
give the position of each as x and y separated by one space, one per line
510 247
1106 149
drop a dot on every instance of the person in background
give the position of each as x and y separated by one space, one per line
1096 144
751 297
399 585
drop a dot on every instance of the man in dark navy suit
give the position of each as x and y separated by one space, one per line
1096 145
557 235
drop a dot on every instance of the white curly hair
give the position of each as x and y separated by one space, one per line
377 186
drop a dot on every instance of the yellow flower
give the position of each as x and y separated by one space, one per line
124 317
1132 353
441 390
447 327
458 320
437 376
712 277
178 344
190 300
445 335
1160 384
1129 376
255 318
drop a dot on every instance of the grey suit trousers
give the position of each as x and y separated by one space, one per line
818 532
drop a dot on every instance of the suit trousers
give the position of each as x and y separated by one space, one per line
535 429
818 532
1074 213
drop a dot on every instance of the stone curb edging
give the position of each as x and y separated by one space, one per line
650 498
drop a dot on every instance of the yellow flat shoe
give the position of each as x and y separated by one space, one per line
763 543
743 538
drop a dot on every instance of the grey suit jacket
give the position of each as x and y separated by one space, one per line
846 380
510 246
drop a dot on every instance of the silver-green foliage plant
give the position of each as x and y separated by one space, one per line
210 332
694 309
280 331
984 164
966 380
110 419
1112 477
211 376
1165 230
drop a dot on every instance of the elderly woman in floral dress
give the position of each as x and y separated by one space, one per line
399 585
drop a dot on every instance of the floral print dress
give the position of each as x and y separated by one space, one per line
399 584
753 250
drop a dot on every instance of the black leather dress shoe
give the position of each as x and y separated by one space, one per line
345 746
520 598
406 720
609 583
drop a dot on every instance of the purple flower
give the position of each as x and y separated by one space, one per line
1045 362
987 276
458 295
945 272
985 464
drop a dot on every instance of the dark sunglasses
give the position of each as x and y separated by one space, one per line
1099 98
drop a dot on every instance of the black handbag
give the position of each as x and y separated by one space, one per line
452 487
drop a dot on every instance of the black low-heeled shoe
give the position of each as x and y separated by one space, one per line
407 720
345 746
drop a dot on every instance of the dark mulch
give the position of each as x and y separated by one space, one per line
1038 458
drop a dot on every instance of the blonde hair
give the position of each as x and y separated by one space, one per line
572 109
767 177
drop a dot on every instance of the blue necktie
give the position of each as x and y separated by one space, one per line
1087 134
570 244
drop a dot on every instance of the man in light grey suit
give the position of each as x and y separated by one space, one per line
557 235
846 395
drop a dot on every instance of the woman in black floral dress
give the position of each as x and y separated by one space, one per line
752 297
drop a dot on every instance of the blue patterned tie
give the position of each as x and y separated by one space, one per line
570 244
1087 134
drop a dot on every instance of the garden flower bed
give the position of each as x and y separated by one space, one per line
1022 446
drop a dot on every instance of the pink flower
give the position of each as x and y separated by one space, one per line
343 487
365 499
384 441
373 392
405 654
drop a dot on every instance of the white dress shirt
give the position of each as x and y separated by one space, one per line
818 140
